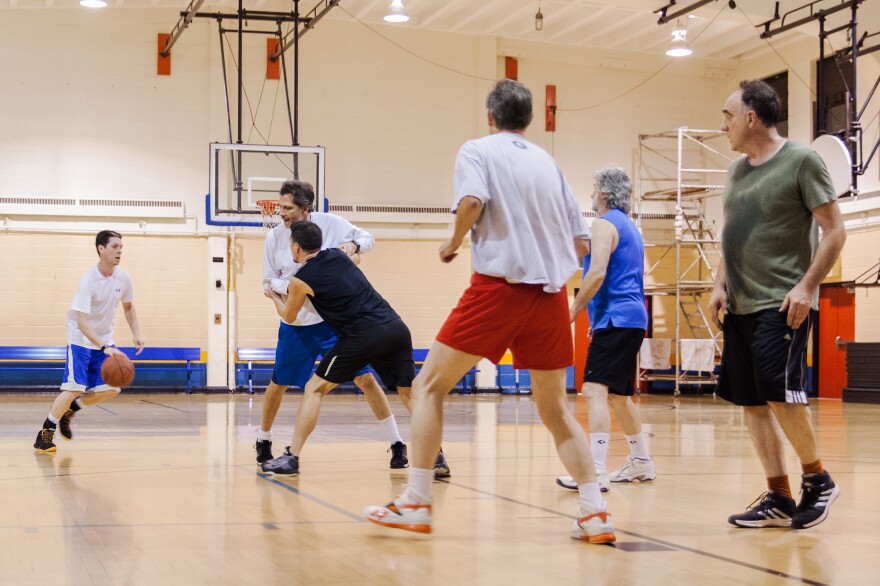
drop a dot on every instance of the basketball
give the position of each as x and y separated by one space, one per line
117 370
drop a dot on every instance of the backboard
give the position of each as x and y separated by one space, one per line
242 174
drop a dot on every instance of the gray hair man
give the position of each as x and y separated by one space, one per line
613 292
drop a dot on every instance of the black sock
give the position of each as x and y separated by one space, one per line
48 425
75 406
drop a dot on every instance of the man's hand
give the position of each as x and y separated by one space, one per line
572 313
718 306
447 250
797 303
139 344
110 351
348 248
273 295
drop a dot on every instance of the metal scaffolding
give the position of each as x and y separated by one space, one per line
681 167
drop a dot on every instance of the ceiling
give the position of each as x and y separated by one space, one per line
715 30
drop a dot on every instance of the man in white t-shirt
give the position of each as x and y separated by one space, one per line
300 343
90 338
527 233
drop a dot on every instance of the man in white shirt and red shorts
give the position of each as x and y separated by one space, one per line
527 233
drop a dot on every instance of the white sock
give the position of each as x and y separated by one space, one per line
599 444
637 448
591 497
389 424
420 480
52 419
264 436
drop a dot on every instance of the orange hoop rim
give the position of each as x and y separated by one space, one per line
269 212
269 207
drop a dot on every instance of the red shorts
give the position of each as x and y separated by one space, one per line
494 315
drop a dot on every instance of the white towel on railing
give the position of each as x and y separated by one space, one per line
654 354
698 355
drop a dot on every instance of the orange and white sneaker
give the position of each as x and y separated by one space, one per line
595 527
403 512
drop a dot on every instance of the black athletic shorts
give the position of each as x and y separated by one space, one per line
611 358
763 359
386 347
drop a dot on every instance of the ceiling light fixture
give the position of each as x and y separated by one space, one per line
396 12
93 3
539 19
679 47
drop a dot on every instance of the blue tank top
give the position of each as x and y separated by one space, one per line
620 301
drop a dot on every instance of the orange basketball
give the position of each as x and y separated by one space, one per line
117 370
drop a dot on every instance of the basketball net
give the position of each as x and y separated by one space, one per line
269 209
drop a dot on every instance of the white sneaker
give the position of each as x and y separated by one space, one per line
595 527
634 469
601 477
402 513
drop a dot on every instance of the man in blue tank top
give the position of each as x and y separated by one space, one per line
368 331
613 292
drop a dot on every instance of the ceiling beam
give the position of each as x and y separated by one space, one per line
635 16
366 10
574 24
475 14
524 12
447 7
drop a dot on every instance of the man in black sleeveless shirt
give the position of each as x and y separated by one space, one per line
369 331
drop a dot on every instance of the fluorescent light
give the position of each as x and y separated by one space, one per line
93 3
396 12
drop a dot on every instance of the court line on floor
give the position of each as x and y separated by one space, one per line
75 525
163 405
677 546
306 495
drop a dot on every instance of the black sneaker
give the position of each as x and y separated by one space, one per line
64 424
44 441
441 467
285 465
264 450
818 491
771 509
398 455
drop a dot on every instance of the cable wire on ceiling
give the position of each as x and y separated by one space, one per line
416 55
644 81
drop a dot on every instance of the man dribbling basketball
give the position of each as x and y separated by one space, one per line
90 338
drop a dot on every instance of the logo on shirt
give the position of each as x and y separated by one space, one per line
119 290
519 145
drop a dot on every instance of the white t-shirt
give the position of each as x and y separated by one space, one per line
98 297
530 216
278 264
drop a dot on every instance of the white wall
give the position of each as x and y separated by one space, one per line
86 114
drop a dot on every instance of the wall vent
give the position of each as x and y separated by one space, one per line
389 209
393 214
90 207
41 201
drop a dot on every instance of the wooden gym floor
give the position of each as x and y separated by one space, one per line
162 489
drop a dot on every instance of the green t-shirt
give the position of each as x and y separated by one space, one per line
769 237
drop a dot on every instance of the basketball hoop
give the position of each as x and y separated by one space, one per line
269 209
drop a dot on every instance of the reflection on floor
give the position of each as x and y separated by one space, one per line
163 489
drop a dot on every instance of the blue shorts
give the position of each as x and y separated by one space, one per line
297 350
82 371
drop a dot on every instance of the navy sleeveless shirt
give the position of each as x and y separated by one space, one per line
343 295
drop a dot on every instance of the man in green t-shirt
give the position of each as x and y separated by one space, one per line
772 264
